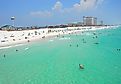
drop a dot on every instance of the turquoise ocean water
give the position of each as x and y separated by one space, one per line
56 60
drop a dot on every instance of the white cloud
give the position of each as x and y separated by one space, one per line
83 5
41 14
87 4
58 6
100 1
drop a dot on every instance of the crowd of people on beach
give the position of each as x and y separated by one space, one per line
15 37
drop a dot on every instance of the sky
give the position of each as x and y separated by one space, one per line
52 12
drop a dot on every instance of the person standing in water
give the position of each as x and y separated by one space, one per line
4 55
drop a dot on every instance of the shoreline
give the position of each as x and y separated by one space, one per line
13 38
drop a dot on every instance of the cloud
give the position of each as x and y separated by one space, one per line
87 4
41 14
100 2
83 5
58 6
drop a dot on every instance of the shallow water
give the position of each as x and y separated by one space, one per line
56 60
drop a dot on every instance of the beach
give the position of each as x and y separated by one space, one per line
8 38
56 60
60 42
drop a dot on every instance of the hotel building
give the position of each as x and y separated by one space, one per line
89 21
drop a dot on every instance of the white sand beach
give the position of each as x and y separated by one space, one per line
8 38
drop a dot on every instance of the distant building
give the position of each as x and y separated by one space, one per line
80 23
8 28
101 23
73 24
89 21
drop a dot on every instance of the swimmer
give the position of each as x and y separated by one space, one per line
16 50
77 45
4 55
70 45
96 43
119 49
81 66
